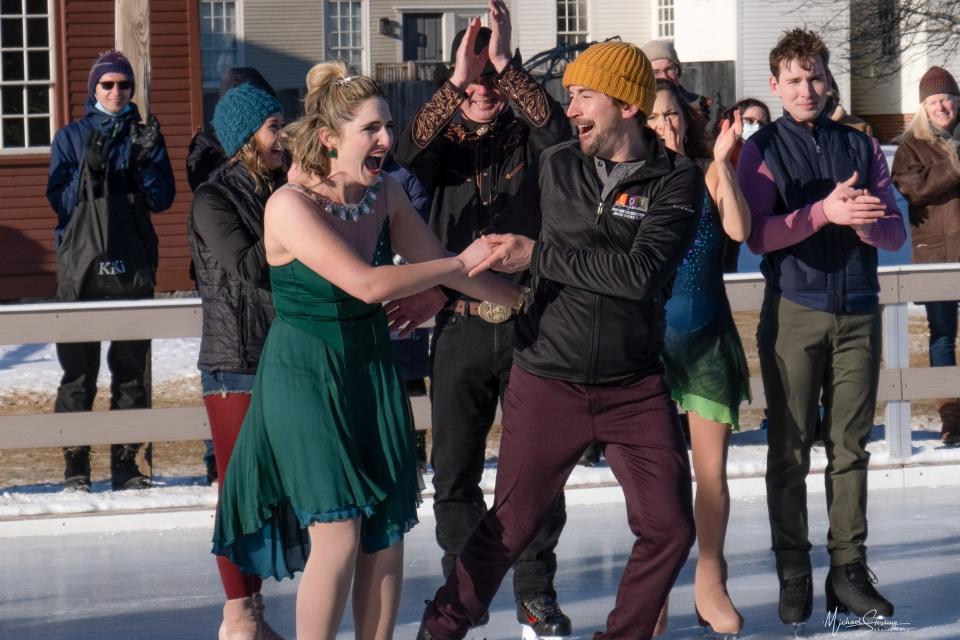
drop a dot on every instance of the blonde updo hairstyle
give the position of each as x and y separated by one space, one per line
333 97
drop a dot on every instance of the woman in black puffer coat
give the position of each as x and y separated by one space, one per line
225 230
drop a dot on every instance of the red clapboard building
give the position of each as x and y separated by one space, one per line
46 49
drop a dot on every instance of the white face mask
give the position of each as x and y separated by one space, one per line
749 128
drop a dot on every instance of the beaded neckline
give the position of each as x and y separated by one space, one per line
352 211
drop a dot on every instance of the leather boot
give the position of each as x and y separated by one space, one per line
950 419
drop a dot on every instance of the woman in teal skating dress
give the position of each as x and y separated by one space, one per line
704 363
324 476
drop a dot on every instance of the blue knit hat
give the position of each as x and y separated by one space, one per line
111 61
239 113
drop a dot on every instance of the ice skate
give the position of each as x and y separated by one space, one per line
542 619
849 589
796 602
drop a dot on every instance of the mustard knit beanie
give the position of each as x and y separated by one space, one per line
618 69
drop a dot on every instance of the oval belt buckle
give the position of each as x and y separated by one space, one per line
494 313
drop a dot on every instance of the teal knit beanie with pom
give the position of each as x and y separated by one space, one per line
239 113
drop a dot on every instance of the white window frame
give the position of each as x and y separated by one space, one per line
364 48
51 92
240 57
448 23
585 33
665 29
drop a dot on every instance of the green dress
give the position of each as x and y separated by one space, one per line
328 435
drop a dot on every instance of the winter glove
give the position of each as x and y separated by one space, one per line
144 139
95 155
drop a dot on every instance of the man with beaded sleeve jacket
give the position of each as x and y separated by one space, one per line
479 161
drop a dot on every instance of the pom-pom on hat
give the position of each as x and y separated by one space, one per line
239 113
937 80
618 69
111 61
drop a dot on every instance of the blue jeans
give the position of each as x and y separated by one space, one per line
223 382
942 319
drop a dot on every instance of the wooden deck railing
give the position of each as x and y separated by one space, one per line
181 318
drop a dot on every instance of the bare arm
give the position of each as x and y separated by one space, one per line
722 183
732 206
414 240
294 230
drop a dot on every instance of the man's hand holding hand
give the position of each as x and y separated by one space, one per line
511 253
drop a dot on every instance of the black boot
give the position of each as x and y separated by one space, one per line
76 474
544 617
850 589
124 472
796 600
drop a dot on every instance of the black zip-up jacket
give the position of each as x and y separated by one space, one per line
225 230
604 264
483 178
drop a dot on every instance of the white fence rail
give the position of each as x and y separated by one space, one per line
181 318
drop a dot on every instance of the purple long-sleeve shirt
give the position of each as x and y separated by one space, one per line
770 232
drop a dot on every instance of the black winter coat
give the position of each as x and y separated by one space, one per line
225 230
604 265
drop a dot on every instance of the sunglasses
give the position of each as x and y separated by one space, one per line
123 85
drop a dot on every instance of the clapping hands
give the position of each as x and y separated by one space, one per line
852 207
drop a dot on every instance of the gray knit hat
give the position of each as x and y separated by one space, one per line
239 113
661 50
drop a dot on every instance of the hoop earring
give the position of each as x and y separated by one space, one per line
332 153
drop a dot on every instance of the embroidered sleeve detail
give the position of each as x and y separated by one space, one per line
526 92
435 114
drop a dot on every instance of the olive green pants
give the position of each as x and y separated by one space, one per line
807 358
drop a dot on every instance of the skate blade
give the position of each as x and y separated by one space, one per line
799 629
713 635
530 634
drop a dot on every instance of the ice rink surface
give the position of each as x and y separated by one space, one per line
153 586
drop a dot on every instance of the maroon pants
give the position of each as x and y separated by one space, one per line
226 413
546 426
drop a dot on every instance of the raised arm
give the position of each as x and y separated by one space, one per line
722 183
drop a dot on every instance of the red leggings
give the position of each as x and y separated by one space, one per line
226 413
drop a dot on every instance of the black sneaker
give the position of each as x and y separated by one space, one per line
796 600
77 483
849 589
124 472
543 617
76 474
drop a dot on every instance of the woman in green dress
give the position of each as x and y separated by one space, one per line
324 476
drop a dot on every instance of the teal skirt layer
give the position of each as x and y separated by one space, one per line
328 436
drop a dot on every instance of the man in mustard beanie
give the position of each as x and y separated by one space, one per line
619 212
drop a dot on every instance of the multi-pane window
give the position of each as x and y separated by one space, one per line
344 32
571 22
26 81
665 18
218 39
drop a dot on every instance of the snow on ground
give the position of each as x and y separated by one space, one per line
35 367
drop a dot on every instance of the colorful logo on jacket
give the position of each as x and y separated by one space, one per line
630 207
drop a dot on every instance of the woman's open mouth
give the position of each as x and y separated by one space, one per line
373 163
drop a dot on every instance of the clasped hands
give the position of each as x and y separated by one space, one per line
503 252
